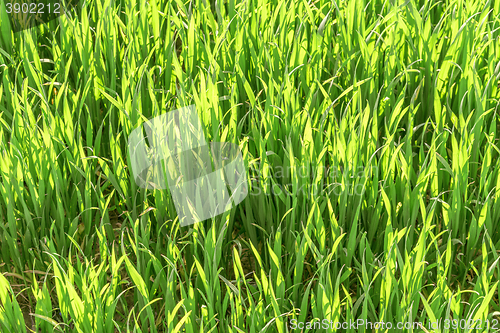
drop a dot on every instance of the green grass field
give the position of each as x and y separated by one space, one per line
369 129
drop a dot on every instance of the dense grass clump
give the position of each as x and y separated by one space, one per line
369 129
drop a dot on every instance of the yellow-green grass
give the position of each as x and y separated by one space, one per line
370 133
